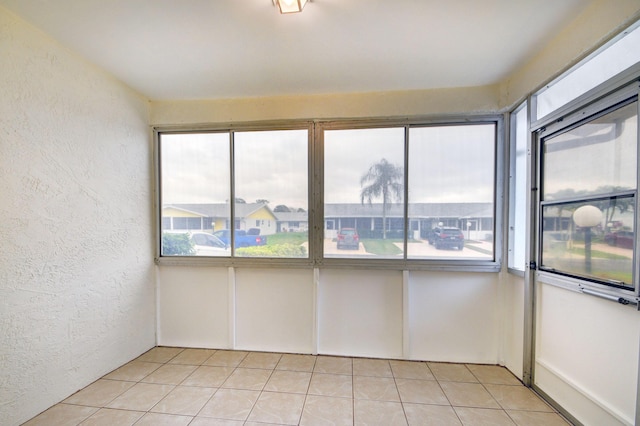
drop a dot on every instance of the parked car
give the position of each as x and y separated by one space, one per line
348 237
624 239
446 237
201 244
242 238
206 244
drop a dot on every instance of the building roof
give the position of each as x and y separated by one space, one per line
416 210
220 209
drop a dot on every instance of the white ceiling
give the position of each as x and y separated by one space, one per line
200 49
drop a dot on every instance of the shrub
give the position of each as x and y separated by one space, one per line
277 250
177 245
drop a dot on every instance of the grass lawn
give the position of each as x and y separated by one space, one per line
381 247
287 238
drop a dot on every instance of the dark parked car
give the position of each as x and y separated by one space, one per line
348 237
447 237
624 239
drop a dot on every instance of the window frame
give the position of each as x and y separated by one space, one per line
584 111
514 171
315 184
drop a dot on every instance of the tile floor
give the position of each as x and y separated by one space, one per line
201 387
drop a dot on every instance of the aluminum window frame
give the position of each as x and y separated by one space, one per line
513 189
581 110
315 184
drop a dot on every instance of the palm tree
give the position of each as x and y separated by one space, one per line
382 179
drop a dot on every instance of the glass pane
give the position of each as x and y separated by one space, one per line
451 191
364 193
195 193
271 211
614 59
594 239
518 190
598 157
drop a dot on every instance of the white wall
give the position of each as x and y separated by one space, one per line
434 316
77 295
587 355
512 329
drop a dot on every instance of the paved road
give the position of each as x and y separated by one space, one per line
419 249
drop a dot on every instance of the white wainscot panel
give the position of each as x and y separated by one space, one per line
454 317
274 310
587 355
513 323
360 313
193 307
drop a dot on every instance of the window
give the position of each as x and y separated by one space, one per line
414 194
518 189
450 186
206 188
617 56
451 191
364 191
589 196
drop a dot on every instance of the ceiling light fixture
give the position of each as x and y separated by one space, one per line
290 6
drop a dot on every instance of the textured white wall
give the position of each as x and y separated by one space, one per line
77 280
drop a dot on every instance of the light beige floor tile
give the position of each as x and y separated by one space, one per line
226 358
534 418
208 376
159 354
371 367
421 392
327 410
518 398
411 370
184 400
230 404
452 372
141 397
99 393
170 374
133 371
493 374
331 385
375 388
382 413
278 408
157 419
288 381
333 365
430 415
62 414
260 424
247 378
192 356
294 362
206 421
468 395
111 417
483 417
261 360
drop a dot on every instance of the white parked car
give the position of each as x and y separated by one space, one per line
203 244
206 244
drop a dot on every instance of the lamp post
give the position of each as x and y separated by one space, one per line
587 217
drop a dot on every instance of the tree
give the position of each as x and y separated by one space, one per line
262 201
383 179
281 208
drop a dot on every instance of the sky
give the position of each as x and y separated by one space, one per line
272 165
